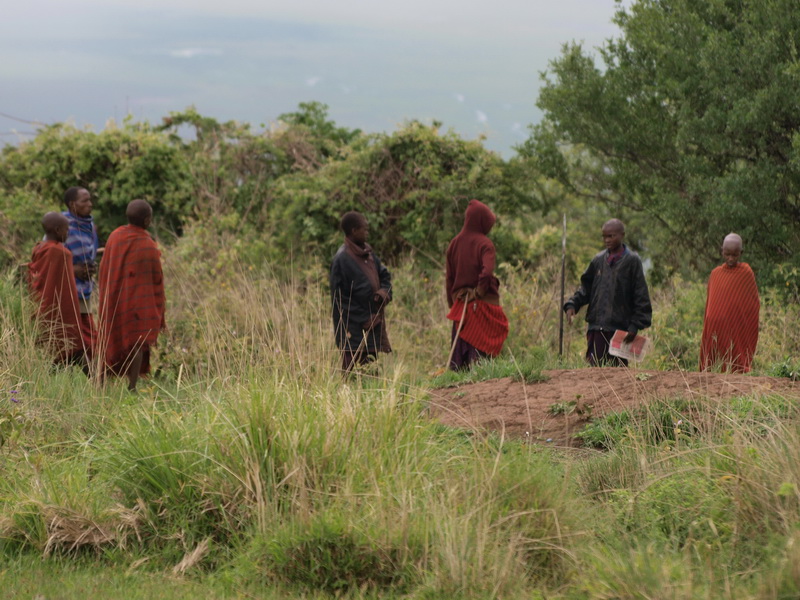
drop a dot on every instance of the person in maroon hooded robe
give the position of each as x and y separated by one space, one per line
480 326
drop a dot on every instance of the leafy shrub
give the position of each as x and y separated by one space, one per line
115 165
686 505
328 556
789 368
413 185
660 421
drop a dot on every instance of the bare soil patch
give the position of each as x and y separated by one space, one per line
523 410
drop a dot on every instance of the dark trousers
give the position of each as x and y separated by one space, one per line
597 352
464 354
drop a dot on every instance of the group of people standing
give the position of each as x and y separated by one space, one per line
131 302
613 288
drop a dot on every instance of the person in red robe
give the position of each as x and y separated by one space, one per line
52 281
132 301
730 326
480 326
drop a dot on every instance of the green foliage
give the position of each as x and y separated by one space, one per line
327 556
657 422
21 214
13 422
527 369
115 165
414 185
676 332
324 135
688 505
691 121
790 367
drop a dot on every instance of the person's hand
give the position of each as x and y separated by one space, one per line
467 295
381 297
630 337
570 314
83 271
373 321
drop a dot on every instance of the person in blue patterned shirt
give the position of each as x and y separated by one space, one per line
84 244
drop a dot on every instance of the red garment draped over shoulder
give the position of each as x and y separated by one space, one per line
730 326
132 302
52 282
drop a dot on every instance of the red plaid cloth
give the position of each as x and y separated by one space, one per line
132 302
52 281
485 325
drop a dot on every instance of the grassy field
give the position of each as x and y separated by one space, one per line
246 467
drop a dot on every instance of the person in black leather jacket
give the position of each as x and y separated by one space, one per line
615 289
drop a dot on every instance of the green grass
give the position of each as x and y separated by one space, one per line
249 467
527 369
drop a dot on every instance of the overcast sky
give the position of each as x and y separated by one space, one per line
472 65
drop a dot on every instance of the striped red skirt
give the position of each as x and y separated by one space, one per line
485 325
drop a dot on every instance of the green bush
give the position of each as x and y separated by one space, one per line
657 422
413 185
327 555
115 165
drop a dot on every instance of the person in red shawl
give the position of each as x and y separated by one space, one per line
132 302
52 281
361 287
730 325
480 326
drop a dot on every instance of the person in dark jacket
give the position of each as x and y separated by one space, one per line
480 326
361 287
615 289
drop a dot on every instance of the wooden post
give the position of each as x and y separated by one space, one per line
563 274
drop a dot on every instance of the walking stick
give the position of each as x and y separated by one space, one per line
455 338
563 272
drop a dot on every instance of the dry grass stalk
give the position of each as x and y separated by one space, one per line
193 558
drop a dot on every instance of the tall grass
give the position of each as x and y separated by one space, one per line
249 462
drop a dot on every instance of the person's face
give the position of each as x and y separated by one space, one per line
612 237
731 253
359 234
82 205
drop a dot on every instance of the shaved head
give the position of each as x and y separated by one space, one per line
56 226
139 213
732 249
614 225
733 240
613 234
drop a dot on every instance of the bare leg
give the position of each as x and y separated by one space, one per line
134 369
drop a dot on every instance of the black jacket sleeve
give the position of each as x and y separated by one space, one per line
384 276
583 295
642 311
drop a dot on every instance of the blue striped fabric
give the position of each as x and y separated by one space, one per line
82 241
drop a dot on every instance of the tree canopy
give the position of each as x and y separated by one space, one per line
691 122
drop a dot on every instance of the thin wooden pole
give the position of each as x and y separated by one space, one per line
458 332
563 275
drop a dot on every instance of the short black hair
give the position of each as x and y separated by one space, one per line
138 211
351 220
72 194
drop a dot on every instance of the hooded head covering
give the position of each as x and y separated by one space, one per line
478 218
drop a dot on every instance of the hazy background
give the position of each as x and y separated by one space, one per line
472 65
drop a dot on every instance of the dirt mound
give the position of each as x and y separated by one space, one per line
524 409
